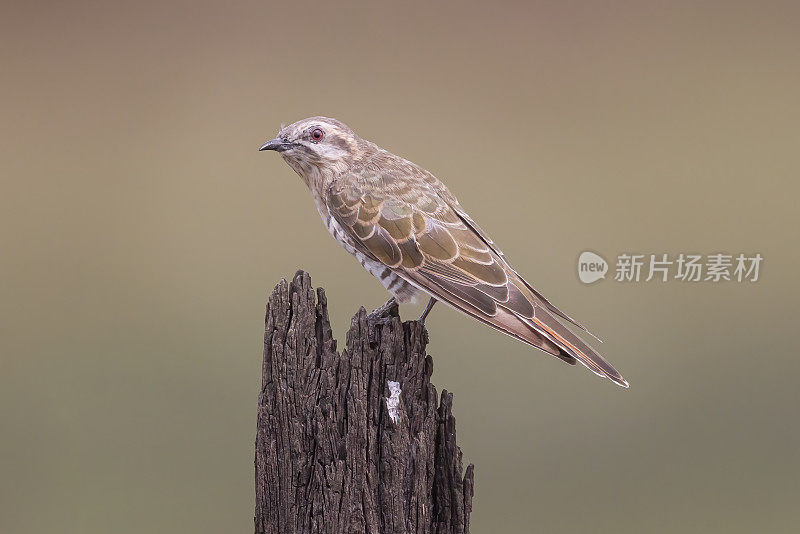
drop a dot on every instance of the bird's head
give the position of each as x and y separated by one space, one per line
316 143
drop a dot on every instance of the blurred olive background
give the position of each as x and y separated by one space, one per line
142 232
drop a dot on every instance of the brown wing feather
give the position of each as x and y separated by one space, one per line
486 239
439 249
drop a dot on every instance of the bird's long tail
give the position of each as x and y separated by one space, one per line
549 326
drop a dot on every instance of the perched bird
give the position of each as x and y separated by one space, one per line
407 229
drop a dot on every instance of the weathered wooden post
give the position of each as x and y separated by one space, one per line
355 442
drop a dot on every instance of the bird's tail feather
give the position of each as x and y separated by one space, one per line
555 331
553 309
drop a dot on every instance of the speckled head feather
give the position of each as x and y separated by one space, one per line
319 144
408 230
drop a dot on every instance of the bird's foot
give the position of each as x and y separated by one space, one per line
383 314
425 313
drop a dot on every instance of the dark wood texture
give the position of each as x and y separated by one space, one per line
329 458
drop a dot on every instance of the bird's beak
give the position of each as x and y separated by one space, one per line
277 144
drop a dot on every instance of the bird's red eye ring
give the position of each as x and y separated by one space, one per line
317 134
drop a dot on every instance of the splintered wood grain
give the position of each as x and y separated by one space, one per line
329 459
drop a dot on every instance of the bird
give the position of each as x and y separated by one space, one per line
408 230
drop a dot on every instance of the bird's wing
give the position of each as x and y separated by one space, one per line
486 239
418 234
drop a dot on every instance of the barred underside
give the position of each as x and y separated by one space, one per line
399 288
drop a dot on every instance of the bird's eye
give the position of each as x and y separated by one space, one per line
317 134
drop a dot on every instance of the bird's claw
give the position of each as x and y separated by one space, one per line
425 313
383 314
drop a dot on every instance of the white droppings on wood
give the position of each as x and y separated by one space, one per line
393 402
